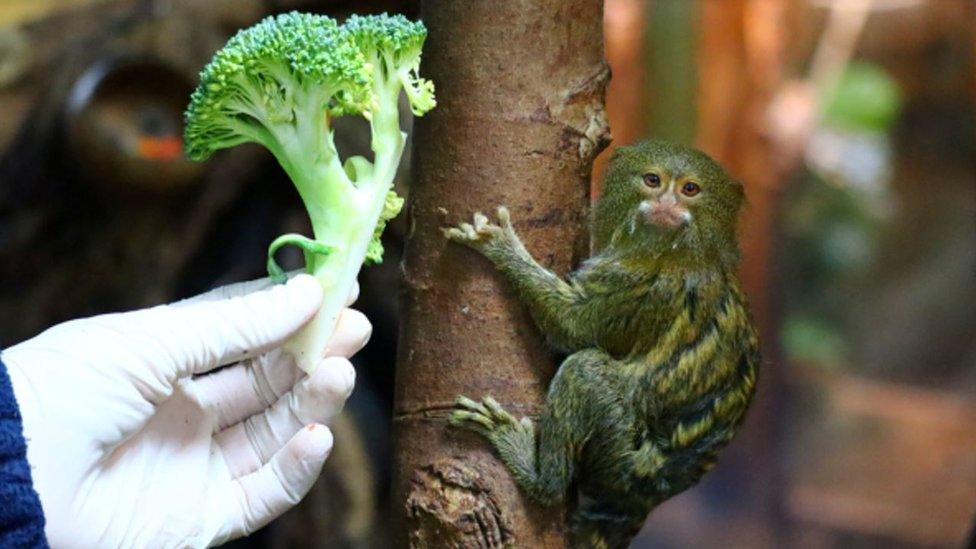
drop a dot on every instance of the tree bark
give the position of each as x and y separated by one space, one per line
520 117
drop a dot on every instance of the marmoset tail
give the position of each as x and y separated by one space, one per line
662 358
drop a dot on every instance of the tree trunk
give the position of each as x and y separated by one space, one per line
520 117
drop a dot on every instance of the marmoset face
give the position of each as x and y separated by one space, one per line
669 198
655 188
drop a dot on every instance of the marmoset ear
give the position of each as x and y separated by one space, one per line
739 191
618 152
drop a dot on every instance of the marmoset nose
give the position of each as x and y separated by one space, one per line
668 199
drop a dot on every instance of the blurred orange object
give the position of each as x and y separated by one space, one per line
160 148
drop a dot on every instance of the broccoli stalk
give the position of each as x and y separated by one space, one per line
280 83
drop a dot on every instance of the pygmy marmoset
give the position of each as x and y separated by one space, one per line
662 358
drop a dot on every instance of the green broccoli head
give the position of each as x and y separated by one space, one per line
285 66
280 83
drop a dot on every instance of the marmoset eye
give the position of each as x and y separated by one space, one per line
652 180
690 189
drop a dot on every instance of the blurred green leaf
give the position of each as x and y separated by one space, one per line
867 98
815 341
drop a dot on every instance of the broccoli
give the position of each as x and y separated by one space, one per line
280 83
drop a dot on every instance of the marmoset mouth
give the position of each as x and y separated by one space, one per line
668 218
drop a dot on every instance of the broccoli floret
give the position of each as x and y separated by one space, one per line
280 83
392 45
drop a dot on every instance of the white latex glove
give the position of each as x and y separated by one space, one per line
131 445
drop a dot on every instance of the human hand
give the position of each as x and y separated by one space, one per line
133 443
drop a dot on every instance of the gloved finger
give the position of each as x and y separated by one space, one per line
259 497
201 336
315 399
248 287
232 290
353 294
245 389
238 392
352 333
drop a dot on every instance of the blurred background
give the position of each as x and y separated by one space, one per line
852 124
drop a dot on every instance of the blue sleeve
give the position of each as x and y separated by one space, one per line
21 517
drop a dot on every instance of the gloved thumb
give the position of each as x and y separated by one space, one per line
260 497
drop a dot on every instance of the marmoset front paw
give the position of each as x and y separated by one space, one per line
483 235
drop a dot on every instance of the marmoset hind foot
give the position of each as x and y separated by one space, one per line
513 439
662 355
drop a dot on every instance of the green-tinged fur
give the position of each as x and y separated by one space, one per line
662 358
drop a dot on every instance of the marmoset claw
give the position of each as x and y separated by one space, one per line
480 222
504 217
